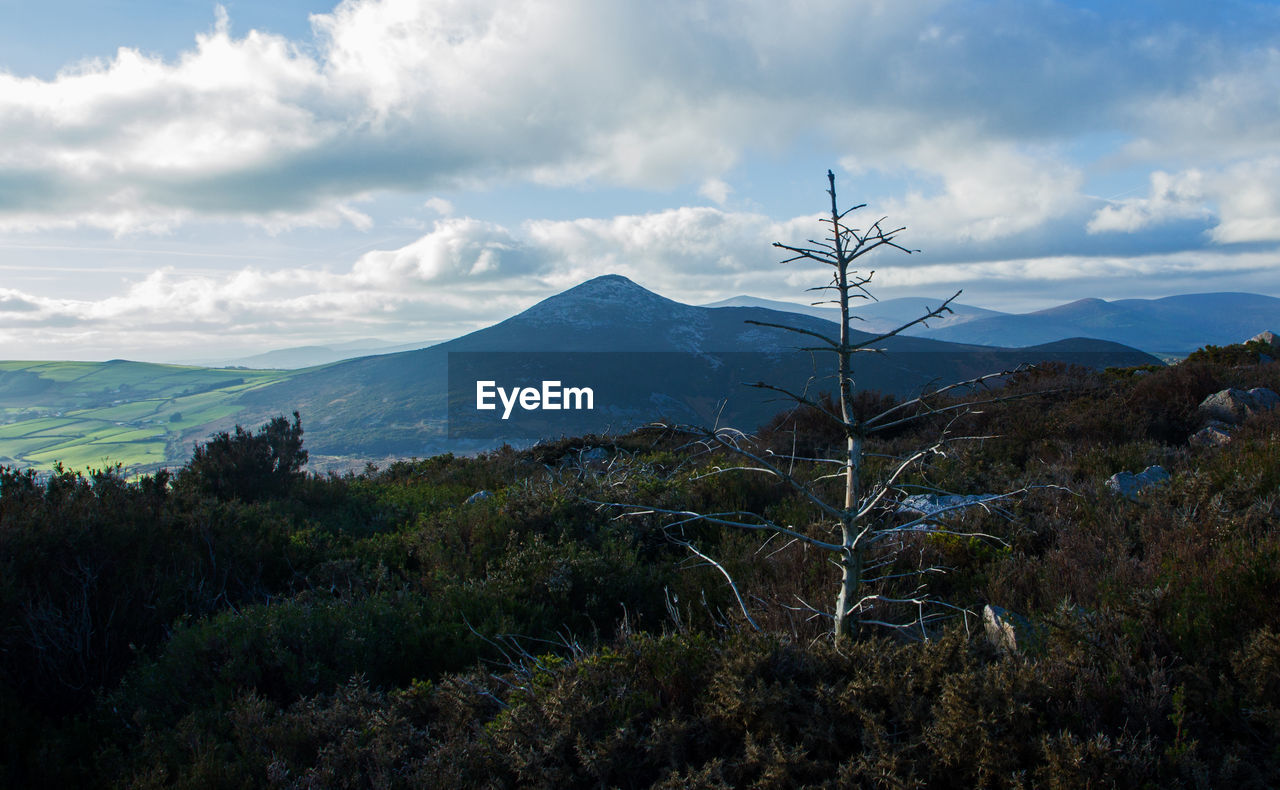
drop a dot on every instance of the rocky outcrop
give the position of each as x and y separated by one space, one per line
918 505
1234 406
1131 486
1215 434
593 455
478 496
1268 337
1009 631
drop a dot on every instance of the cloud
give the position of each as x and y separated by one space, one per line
455 250
1226 112
396 95
715 190
987 190
1239 203
12 301
1248 197
439 206
1172 197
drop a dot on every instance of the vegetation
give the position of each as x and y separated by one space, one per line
98 414
376 630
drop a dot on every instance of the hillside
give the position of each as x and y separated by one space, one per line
97 413
486 621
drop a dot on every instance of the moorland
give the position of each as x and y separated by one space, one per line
484 621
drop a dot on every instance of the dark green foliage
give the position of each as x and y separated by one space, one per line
680 711
248 466
1250 353
245 625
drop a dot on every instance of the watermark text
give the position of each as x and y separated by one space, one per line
551 396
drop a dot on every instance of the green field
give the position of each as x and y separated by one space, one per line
96 414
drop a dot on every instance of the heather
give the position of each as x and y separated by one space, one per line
242 623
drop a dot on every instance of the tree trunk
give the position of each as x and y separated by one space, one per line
851 556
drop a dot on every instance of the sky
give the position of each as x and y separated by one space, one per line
183 180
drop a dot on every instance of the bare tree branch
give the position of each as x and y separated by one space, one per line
732 584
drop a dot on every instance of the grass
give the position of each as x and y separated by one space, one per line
94 414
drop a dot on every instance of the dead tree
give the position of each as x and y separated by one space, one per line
860 532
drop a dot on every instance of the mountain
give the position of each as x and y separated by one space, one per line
882 316
1174 324
645 356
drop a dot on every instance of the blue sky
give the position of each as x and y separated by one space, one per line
186 180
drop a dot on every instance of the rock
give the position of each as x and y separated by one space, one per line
1130 485
1234 406
1215 434
1229 406
478 496
1009 631
1265 398
594 455
1267 337
918 505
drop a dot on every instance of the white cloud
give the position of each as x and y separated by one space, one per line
715 190
1058 279
457 249
987 190
1173 197
406 95
1241 202
1248 197
440 206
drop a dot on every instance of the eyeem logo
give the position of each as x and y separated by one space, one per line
550 397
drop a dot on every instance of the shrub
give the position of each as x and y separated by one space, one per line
248 466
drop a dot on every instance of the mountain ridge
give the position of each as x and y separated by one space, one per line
403 397
1172 324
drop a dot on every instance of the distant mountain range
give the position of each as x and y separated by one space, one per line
645 357
1172 325
297 357
1177 324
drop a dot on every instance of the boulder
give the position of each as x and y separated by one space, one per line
1234 406
1265 398
918 505
1131 486
1009 631
478 496
1267 337
594 455
1215 434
